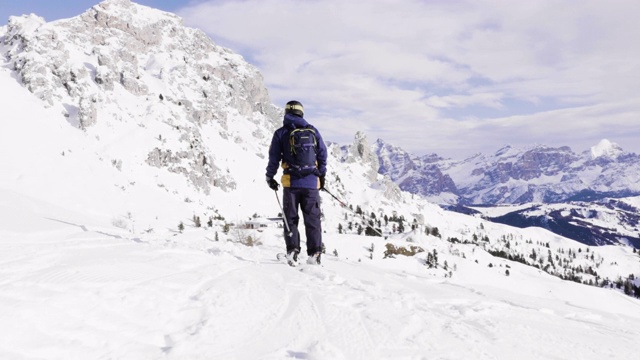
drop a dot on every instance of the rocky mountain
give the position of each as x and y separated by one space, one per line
418 175
585 190
150 109
121 62
512 176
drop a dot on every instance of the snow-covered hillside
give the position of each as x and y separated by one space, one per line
607 221
135 224
140 102
73 288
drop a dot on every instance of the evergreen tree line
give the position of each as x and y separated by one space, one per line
560 265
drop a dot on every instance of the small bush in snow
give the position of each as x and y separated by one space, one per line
392 250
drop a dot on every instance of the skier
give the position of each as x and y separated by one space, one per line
299 146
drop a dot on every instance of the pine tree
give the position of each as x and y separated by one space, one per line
429 261
181 227
628 287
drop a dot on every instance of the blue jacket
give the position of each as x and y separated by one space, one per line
279 152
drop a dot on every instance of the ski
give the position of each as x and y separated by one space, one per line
282 257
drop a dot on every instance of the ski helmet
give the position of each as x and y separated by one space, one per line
294 107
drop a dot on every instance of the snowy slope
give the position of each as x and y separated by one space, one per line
93 264
75 289
607 221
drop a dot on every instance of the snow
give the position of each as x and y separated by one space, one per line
633 201
500 210
73 288
29 23
605 148
94 266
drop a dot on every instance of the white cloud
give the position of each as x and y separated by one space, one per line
472 75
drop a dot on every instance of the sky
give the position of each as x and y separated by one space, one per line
447 77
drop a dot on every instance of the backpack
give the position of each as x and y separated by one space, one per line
304 146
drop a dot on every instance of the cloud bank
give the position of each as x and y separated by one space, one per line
446 77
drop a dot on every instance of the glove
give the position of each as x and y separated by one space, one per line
273 184
321 182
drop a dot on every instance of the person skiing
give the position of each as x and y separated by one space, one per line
300 148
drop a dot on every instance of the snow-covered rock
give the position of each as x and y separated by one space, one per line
606 148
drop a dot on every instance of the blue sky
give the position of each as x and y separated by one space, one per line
453 77
54 10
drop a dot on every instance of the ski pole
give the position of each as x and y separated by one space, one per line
338 200
290 233
345 206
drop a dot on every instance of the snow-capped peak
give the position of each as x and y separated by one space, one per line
27 23
127 12
605 148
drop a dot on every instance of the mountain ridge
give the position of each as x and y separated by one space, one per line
510 176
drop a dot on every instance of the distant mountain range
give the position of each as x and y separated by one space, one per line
514 176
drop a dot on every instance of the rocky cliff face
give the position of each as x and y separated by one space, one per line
419 175
121 62
360 151
120 42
